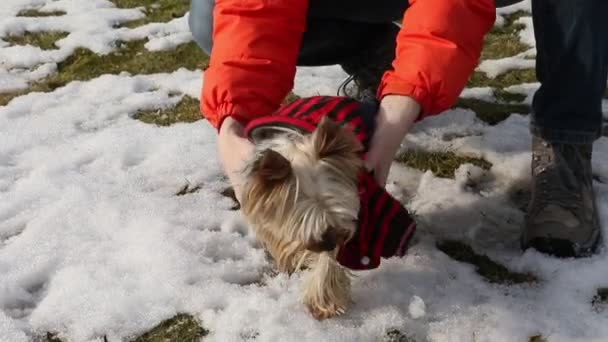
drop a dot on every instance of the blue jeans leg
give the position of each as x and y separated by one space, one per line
200 21
572 66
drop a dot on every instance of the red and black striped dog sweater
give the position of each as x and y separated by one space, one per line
385 228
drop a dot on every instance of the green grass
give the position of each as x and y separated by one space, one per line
512 77
491 112
490 270
181 328
155 10
186 110
37 13
43 40
505 96
131 57
500 42
504 41
442 164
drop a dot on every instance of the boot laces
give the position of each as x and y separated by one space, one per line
552 190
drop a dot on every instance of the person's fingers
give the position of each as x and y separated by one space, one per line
370 161
375 162
382 174
234 152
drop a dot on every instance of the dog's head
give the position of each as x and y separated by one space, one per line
301 191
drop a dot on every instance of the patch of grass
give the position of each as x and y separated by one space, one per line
442 164
494 112
506 96
499 43
484 266
290 98
504 41
5 98
50 337
491 112
182 328
395 335
36 13
186 110
229 192
512 77
537 338
132 57
188 189
43 40
601 296
155 10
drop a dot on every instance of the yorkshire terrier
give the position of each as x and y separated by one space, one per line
304 191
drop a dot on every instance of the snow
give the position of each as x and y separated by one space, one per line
417 307
94 241
495 67
527 89
479 93
92 24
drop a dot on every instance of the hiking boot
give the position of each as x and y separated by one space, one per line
366 70
562 216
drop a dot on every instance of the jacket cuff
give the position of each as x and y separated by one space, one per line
392 85
225 110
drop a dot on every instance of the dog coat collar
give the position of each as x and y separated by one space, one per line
385 228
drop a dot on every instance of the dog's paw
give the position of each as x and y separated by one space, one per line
320 312
327 290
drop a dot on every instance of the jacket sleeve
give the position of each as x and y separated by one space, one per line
438 48
253 60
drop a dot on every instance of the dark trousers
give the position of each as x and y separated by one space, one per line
571 38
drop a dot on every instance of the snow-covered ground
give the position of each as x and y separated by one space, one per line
94 242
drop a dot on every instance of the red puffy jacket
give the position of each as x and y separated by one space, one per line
256 42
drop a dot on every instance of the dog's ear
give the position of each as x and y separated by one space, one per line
329 138
271 167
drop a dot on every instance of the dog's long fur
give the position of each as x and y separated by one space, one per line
301 198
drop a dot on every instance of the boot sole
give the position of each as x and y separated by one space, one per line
562 248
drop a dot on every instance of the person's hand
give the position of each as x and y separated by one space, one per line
395 117
234 150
